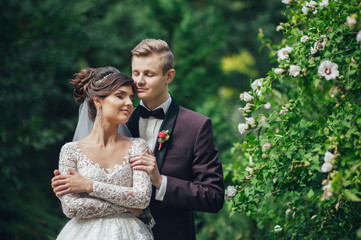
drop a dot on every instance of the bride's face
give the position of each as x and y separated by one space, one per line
117 107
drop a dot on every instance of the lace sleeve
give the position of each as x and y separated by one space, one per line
137 196
81 205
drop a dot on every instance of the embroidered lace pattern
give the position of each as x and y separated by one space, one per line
113 189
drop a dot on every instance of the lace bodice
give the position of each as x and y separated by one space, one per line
113 189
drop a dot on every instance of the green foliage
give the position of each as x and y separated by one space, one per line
37 61
44 42
223 226
300 167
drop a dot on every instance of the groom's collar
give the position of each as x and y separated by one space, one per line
164 105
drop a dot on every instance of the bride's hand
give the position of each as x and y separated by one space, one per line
70 183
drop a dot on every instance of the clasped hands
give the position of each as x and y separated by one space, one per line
73 182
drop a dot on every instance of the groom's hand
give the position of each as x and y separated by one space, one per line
147 162
136 211
70 183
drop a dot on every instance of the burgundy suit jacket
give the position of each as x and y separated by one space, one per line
190 161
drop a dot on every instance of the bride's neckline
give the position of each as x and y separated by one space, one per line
110 169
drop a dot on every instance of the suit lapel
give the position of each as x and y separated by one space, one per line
133 123
168 124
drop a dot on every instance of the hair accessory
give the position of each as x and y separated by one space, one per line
101 80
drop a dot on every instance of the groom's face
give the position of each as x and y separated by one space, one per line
151 83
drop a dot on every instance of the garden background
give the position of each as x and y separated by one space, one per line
222 48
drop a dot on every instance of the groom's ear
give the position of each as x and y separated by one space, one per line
170 76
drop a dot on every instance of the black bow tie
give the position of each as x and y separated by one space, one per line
145 113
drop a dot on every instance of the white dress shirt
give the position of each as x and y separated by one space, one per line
148 130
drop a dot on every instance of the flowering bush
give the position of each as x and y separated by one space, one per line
297 171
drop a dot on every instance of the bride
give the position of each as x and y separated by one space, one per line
114 189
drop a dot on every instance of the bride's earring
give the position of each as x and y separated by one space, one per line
99 115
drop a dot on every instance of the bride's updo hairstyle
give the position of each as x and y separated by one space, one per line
98 82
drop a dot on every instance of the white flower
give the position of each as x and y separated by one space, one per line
288 211
328 70
322 45
327 190
250 121
350 21
305 38
311 4
314 12
278 28
329 157
246 97
249 176
230 192
286 1
242 127
277 228
313 50
257 86
284 110
295 70
279 70
247 107
248 169
266 146
326 167
267 105
304 9
358 36
283 53
250 160
324 3
319 45
324 39
262 119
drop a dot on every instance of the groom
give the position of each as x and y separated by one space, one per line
185 169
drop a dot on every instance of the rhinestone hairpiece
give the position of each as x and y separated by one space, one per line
101 80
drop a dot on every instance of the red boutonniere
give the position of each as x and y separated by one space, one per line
162 137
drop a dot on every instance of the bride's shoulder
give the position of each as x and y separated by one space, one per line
69 146
138 143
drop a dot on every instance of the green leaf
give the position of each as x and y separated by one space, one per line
310 194
346 123
350 196
352 72
265 125
359 121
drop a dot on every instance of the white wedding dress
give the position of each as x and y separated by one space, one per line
101 214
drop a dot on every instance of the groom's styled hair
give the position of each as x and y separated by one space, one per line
149 46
